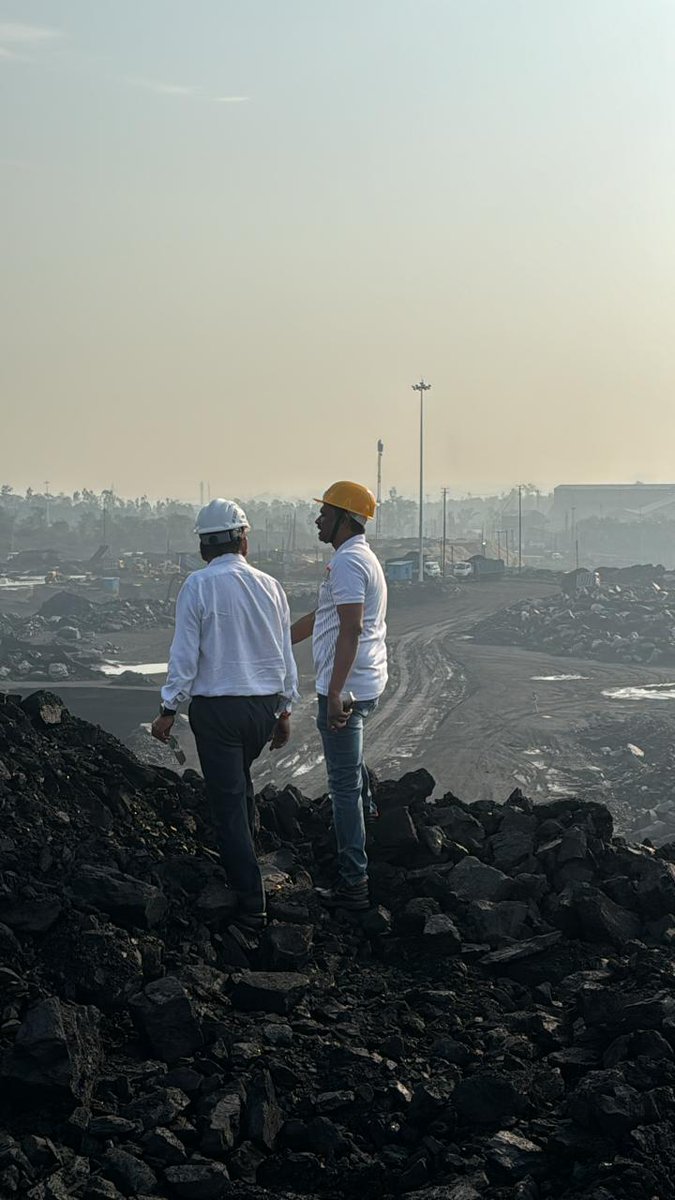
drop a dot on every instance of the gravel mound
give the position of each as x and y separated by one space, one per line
499 1026
631 622
55 644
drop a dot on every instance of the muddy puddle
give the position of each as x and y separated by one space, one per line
646 691
140 668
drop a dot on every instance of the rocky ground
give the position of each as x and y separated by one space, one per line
500 1026
629 622
57 643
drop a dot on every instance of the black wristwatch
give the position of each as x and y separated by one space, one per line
167 712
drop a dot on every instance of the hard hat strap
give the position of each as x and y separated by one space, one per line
341 514
222 538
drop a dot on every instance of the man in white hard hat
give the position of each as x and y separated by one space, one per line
231 658
348 631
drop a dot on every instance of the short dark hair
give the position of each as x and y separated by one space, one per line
208 553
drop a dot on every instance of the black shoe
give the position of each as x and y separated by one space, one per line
351 897
250 922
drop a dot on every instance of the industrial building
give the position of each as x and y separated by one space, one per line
573 502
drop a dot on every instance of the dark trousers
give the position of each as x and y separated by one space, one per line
230 732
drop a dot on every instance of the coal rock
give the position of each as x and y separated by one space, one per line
56 1051
262 1115
198 1180
129 1174
164 1012
488 1097
131 902
500 1024
264 991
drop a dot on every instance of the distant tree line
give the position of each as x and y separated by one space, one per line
76 524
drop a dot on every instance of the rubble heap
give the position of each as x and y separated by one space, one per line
632 623
632 760
56 644
110 617
500 1027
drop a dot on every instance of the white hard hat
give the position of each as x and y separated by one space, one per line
221 516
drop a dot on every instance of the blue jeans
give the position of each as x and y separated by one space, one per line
349 786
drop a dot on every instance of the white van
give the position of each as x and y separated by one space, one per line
462 570
432 569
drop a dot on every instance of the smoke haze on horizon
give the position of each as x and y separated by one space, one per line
236 235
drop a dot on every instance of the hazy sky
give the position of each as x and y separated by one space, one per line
236 231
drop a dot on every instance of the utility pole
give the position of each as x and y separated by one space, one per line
574 525
47 513
421 387
499 543
445 524
378 511
201 494
520 528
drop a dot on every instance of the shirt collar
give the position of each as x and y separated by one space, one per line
227 560
358 537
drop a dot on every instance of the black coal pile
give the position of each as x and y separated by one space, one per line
631 623
500 1025
110 617
55 644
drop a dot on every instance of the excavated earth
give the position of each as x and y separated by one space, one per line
631 622
56 643
499 1026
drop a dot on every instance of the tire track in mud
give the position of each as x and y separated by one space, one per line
428 685
425 686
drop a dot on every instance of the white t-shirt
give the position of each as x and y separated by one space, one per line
353 576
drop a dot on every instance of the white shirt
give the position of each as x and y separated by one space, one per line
353 576
233 636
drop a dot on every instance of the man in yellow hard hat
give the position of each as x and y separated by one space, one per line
348 631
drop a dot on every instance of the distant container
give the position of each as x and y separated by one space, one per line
486 568
399 571
111 585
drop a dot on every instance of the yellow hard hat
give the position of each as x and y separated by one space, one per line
353 497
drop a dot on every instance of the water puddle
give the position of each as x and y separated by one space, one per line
113 669
308 766
647 691
556 678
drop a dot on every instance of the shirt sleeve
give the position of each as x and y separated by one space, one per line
290 689
348 580
184 653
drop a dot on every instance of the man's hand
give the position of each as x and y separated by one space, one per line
161 728
338 713
281 733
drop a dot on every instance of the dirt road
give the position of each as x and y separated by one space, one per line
482 719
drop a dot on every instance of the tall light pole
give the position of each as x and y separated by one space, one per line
445 525
378 511
520 528
421 387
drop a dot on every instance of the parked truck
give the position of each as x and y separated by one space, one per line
479 567
432 567
404 570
